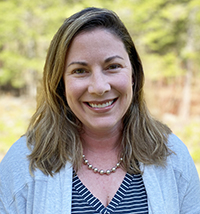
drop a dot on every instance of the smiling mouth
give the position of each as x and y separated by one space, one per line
102 105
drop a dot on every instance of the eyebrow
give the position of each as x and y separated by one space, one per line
113 57
78 62
106 61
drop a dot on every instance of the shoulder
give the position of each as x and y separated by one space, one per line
178 181
16 156
15 178
14 168
15 164
183 166
179 149
185 174
14 171
180 156
179 165
16 159
176 144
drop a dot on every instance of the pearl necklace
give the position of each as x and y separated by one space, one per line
101 172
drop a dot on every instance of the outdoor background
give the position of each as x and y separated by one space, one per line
166 34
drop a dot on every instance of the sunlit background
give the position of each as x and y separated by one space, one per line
166 34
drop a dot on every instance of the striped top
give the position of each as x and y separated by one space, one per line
131 197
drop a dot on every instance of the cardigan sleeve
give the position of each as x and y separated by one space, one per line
21 193
174 188
191 192
18 204
187 178
13 179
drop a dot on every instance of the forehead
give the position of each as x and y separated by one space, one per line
95 42
98 30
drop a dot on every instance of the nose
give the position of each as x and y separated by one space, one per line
98 83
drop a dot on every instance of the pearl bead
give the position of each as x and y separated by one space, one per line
113 169
101 172
108 172
95 169
86 161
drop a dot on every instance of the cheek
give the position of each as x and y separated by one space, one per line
125 84
126 90
69 90
73 90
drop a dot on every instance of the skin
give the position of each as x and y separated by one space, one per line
98 88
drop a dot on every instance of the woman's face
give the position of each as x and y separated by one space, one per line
98 80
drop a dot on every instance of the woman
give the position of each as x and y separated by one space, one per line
92 146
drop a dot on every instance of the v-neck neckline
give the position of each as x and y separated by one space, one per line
95 202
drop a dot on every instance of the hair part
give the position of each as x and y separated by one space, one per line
54 131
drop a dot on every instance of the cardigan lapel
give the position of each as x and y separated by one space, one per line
156 202
66 181
59 192
161 186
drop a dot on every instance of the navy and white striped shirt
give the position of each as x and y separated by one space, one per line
131 197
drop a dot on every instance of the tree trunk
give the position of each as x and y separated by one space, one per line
184 110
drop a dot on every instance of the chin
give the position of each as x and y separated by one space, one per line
103 127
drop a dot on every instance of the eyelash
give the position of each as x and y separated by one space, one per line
114 66
79 71
83 71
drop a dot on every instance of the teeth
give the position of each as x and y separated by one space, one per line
101 105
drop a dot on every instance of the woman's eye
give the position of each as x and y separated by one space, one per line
79 71
114 66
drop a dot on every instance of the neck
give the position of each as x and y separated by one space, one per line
101 143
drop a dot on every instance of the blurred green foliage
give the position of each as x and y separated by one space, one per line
159 29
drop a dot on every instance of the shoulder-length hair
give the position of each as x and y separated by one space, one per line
54 130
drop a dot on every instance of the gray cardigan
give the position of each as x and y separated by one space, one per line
171 190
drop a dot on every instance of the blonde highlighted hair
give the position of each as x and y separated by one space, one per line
54 131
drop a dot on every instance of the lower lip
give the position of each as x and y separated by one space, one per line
102 110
